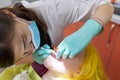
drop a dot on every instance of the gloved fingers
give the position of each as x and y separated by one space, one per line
36 58
60 51
66 53
46 46
44 56
44 51
72 55
40 55
41 60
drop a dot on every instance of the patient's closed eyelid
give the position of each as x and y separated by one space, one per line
26 54
24 41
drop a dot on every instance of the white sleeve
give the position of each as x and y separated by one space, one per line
76 10
30 4
101 2
66 12
97 3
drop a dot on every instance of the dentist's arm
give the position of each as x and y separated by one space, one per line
101 14
76 42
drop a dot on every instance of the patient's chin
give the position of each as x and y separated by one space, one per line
65 66
74 64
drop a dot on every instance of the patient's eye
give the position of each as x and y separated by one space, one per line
26 54
24 41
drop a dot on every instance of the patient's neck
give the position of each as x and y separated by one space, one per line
73 65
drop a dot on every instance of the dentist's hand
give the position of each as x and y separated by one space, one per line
76 42
41 54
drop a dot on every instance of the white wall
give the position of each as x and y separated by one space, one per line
4 3
20 0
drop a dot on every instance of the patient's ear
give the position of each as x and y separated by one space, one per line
9 13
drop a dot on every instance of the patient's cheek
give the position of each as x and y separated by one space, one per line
74 64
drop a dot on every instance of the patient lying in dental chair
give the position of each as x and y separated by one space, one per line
84 66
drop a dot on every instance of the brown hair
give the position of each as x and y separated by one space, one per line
6 35
20 11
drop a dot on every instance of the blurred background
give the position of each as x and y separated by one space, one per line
4 3
107 43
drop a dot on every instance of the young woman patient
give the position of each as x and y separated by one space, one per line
85 66
16 42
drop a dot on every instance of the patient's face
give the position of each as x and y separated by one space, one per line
22 43
64 66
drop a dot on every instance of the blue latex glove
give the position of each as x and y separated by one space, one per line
41 54
76 42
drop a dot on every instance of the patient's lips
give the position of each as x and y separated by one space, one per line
53 55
